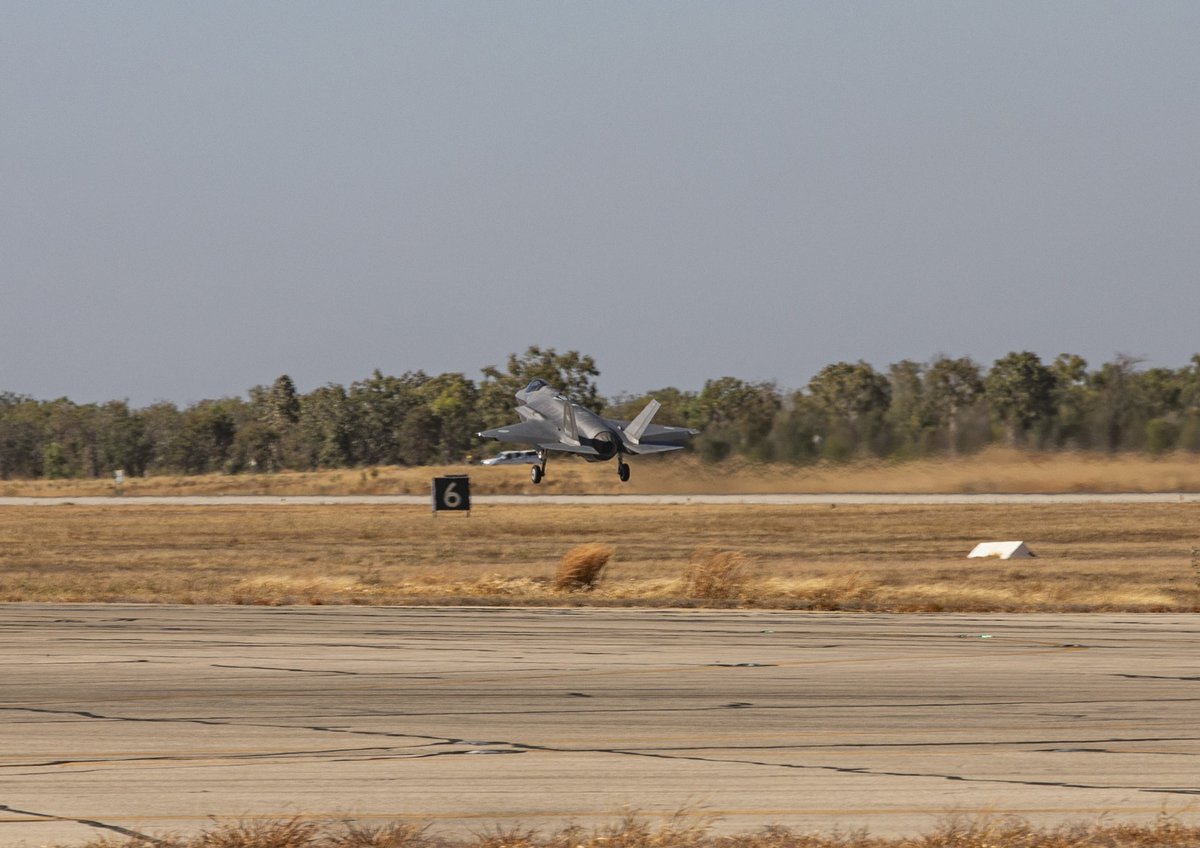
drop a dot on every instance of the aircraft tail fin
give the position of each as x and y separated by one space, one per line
637 427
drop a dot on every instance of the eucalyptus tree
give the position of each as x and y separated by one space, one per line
735 417
1115 410
907 415
417 437
854 398
1020 392
951 387
1072 398
325 427
22 428
123 440
161 423
378 407
1161 390
268 440
799 431
451 402
205 436
70 444
1189 405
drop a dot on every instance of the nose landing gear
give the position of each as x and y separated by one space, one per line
622 470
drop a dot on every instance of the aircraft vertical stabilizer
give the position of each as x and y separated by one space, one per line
637 427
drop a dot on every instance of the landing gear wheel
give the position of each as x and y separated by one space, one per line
623 472
536 474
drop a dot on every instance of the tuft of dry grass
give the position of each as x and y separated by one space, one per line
393 835
716 575
581 567
683 831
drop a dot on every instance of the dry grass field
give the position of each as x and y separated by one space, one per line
681 832
896 558
995 470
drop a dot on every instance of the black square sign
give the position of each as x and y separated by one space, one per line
452 493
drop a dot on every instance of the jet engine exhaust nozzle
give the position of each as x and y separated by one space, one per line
605 445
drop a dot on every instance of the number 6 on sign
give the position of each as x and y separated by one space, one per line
452 493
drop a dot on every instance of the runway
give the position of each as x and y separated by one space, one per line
865 498
149 719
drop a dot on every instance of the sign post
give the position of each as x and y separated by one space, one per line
452 493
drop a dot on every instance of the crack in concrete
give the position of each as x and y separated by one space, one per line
521 750
322 671
98 717
676 753
280 668
115 828
933 775
443 740
864 770
1111 751
966 744
221 723
618 710
184 758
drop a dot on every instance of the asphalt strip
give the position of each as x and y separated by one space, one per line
633 500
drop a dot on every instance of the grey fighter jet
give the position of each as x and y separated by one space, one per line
552 422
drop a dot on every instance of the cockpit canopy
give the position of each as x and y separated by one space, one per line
535 385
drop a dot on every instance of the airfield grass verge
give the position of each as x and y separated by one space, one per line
677 832
902 558
995 470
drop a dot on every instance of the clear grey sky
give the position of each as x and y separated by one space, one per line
196 197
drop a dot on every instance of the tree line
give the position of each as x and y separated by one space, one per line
848 410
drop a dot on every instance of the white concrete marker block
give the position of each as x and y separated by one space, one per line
1001 550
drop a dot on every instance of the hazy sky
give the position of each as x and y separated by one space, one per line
196 197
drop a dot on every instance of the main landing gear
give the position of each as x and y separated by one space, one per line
538 471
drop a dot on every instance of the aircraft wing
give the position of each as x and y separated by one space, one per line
531 432
537 432
582 450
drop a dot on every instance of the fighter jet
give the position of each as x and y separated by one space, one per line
550 421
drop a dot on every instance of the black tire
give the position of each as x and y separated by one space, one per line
623 472
536 474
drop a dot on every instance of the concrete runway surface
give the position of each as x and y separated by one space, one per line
151 719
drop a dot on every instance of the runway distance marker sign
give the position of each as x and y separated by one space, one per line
452 493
